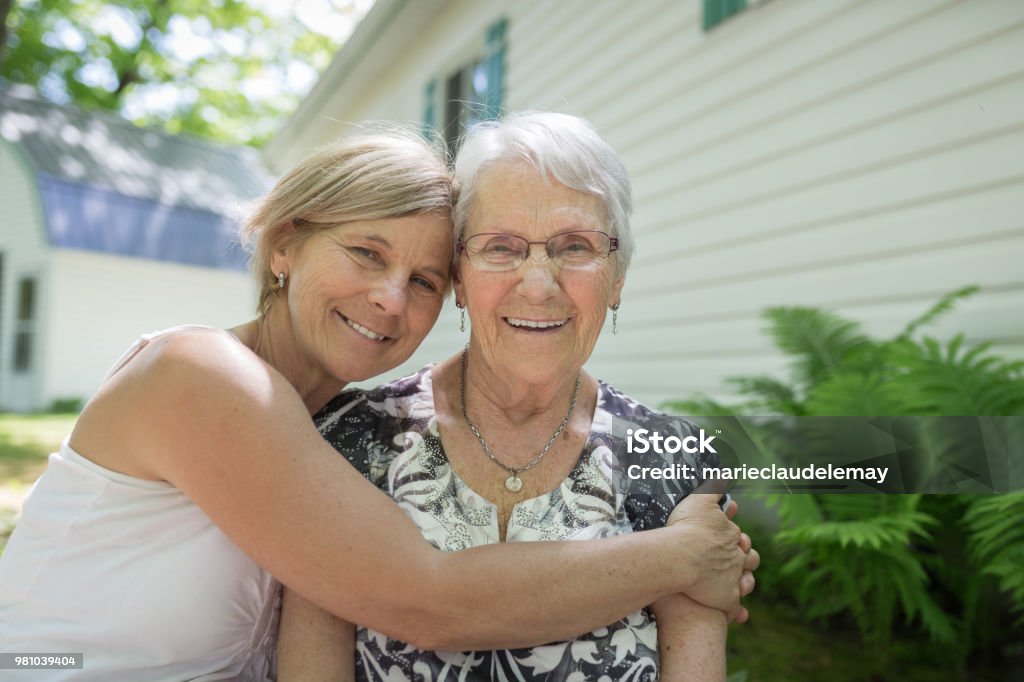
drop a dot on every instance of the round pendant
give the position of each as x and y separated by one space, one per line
514 483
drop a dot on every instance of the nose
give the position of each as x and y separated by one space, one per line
388 295
539 278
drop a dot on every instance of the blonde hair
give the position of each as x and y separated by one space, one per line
379 172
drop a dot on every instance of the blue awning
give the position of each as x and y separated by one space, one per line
93 218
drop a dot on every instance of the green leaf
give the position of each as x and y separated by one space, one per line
818 341
943 306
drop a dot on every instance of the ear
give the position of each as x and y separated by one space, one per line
457 285
281 255
460 291
616 293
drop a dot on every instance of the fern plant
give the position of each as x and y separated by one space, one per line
941 562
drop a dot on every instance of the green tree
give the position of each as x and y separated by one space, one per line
5 9
220 69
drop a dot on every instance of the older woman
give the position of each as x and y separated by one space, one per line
195 473
510 440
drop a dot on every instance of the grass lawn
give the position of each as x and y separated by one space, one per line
25 443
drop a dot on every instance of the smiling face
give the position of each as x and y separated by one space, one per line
363 295
537 323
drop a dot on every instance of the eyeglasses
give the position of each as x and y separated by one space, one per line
497 252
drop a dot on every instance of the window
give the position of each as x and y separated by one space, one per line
465 100
24 324
717 11
469 93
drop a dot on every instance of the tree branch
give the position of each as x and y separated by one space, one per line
5 11
129 73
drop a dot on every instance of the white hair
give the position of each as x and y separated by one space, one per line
561 146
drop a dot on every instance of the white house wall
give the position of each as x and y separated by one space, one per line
100 304
24 248
861 155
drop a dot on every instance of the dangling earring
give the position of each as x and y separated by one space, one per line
462 316
615 319
281 277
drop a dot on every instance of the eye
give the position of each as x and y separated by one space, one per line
365 254
575 244
499 247
424 283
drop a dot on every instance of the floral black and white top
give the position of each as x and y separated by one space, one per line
390 435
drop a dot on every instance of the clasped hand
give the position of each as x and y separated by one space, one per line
723 556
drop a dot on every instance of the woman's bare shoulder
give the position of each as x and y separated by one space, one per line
175 382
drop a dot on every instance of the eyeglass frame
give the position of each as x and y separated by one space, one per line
460 245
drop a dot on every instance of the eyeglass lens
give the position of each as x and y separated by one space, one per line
568 250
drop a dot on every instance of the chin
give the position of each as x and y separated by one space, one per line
362 375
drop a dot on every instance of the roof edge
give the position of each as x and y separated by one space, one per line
375 23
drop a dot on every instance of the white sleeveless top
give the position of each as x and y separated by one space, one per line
134 576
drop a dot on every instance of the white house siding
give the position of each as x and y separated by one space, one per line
24 248
101 303
862 155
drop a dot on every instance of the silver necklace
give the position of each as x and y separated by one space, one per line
513 483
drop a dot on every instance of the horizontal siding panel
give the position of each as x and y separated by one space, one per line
944 125
989 314
580 26
858 46
603 42
1010 350
624 68
873 188
934 225
540 27
805 116
994 263
721 65
663 379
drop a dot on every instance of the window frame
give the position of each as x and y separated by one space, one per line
25 318
451 102
716 12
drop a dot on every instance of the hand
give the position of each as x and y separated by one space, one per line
753 560
716 559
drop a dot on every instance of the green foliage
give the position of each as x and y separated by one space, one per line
66 406
997 543
952 565
191 66
817 341
860 558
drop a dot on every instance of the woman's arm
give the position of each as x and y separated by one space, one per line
314 645
691 640
233 435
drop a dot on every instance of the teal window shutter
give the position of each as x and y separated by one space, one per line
717 11
495 60
430 108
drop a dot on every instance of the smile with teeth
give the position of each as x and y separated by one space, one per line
535 324
368 333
